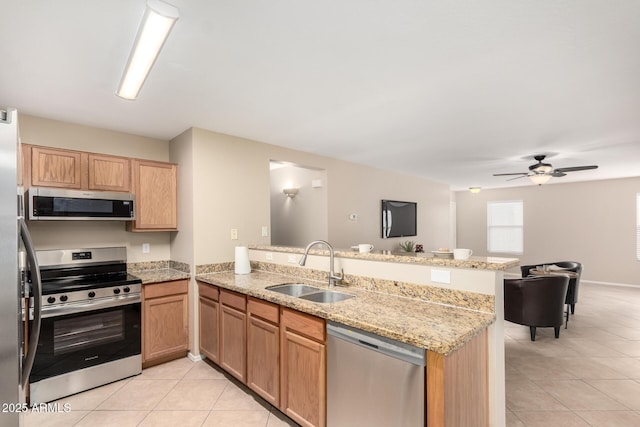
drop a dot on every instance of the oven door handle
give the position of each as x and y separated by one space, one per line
36 291
82 307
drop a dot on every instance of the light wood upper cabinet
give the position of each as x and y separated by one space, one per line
165 327
208 320
109 173
155 187
77 170
52 167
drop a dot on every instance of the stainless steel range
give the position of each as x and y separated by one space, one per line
91 322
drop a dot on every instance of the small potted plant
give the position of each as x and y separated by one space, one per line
408 246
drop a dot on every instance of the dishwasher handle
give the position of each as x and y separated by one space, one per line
387 346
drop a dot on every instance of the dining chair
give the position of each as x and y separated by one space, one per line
536 302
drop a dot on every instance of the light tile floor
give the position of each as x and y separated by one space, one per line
590 376
179 393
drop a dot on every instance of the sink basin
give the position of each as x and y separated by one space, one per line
294 289
327 296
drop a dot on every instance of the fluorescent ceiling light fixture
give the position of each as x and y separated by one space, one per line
539 178
154 29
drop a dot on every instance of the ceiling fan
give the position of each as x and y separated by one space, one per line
540 172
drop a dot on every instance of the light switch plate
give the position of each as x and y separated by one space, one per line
265 231
269 256
234 234
146 248
292 259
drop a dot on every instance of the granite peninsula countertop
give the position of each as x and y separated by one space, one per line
424 258
436 327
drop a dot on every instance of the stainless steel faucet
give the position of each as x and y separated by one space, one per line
333 277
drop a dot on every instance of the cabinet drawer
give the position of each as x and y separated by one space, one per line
263 309
304 324
164 289
208 291
233 299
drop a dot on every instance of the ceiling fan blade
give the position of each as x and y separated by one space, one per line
516 173
517 177
576 168
557 174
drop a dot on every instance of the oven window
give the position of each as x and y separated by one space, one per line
78 333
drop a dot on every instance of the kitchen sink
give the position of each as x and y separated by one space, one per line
309 293
326 296
294 289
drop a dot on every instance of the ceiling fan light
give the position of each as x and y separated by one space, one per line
543 168
539 178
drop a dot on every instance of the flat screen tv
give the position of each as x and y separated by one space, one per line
398 218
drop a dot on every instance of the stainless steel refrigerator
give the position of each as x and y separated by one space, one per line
20 293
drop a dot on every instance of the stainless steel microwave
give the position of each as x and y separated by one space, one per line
61 204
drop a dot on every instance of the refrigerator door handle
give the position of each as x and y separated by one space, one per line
36 289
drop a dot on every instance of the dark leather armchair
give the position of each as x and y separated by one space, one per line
536 302
574 283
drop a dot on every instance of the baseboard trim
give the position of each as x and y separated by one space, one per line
624 285
195 358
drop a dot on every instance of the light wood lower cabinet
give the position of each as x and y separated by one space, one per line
263 349
233 339
303 378
165 327
209 321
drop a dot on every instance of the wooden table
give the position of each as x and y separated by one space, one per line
557 272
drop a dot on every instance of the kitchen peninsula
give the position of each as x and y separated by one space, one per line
450 308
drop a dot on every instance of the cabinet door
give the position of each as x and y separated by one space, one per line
209 328
155 188
303 379
166 326
109 173
263 373
233 341
52 167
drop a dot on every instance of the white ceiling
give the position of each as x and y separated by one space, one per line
451 90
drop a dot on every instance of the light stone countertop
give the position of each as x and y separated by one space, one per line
159 275
436 327
424 258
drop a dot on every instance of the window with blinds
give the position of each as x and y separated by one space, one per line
505 227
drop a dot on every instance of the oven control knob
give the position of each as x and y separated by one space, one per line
126 289
64 298
92 294
116 291
51 300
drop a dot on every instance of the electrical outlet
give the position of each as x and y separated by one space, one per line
234 234
265 231
292 259
146 248
269 256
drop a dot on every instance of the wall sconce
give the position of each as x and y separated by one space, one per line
475 190
290 192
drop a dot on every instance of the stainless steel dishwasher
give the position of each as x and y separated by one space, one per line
372 380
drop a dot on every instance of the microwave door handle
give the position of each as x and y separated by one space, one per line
36 289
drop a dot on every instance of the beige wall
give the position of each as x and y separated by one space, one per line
53 133
590 222
82 234
299 220
231 190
